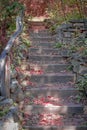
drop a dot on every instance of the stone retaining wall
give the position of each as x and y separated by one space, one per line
67 32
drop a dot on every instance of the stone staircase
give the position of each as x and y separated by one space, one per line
51 101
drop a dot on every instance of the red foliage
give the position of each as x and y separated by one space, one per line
45 119
3 38
36 7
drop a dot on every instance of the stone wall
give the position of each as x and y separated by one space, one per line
67 32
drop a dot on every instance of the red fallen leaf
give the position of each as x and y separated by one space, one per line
52 119
37 101
40 72
41 115
18 69
34 71
42 99
43 122
26 116
81 31
48 102
58 122
49 97
23 122
30 83
26 100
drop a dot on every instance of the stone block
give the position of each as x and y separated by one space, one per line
6 101
66 40
18 95
67 35
8 126
83 70
78 21
78 25
1 98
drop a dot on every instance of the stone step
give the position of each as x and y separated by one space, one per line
48 51
46 59
41 33
49 68
53 78
37 23
53 120
44 51
53 94
44 44
37 36
45 39
45 31
55 109
67 127
69 85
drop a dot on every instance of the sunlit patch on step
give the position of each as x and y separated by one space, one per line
53 108
70 128
36 31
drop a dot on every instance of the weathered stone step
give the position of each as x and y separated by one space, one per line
55 109
68 127
53 96
45 31
45 44
45 39
55 121
41 86
41 33
36 23
48 51
53 78
44 51
53 93
37 36
45 59
49 68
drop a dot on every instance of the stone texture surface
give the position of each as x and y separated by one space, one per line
8 126
66 32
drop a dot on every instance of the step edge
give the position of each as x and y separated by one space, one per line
64 106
